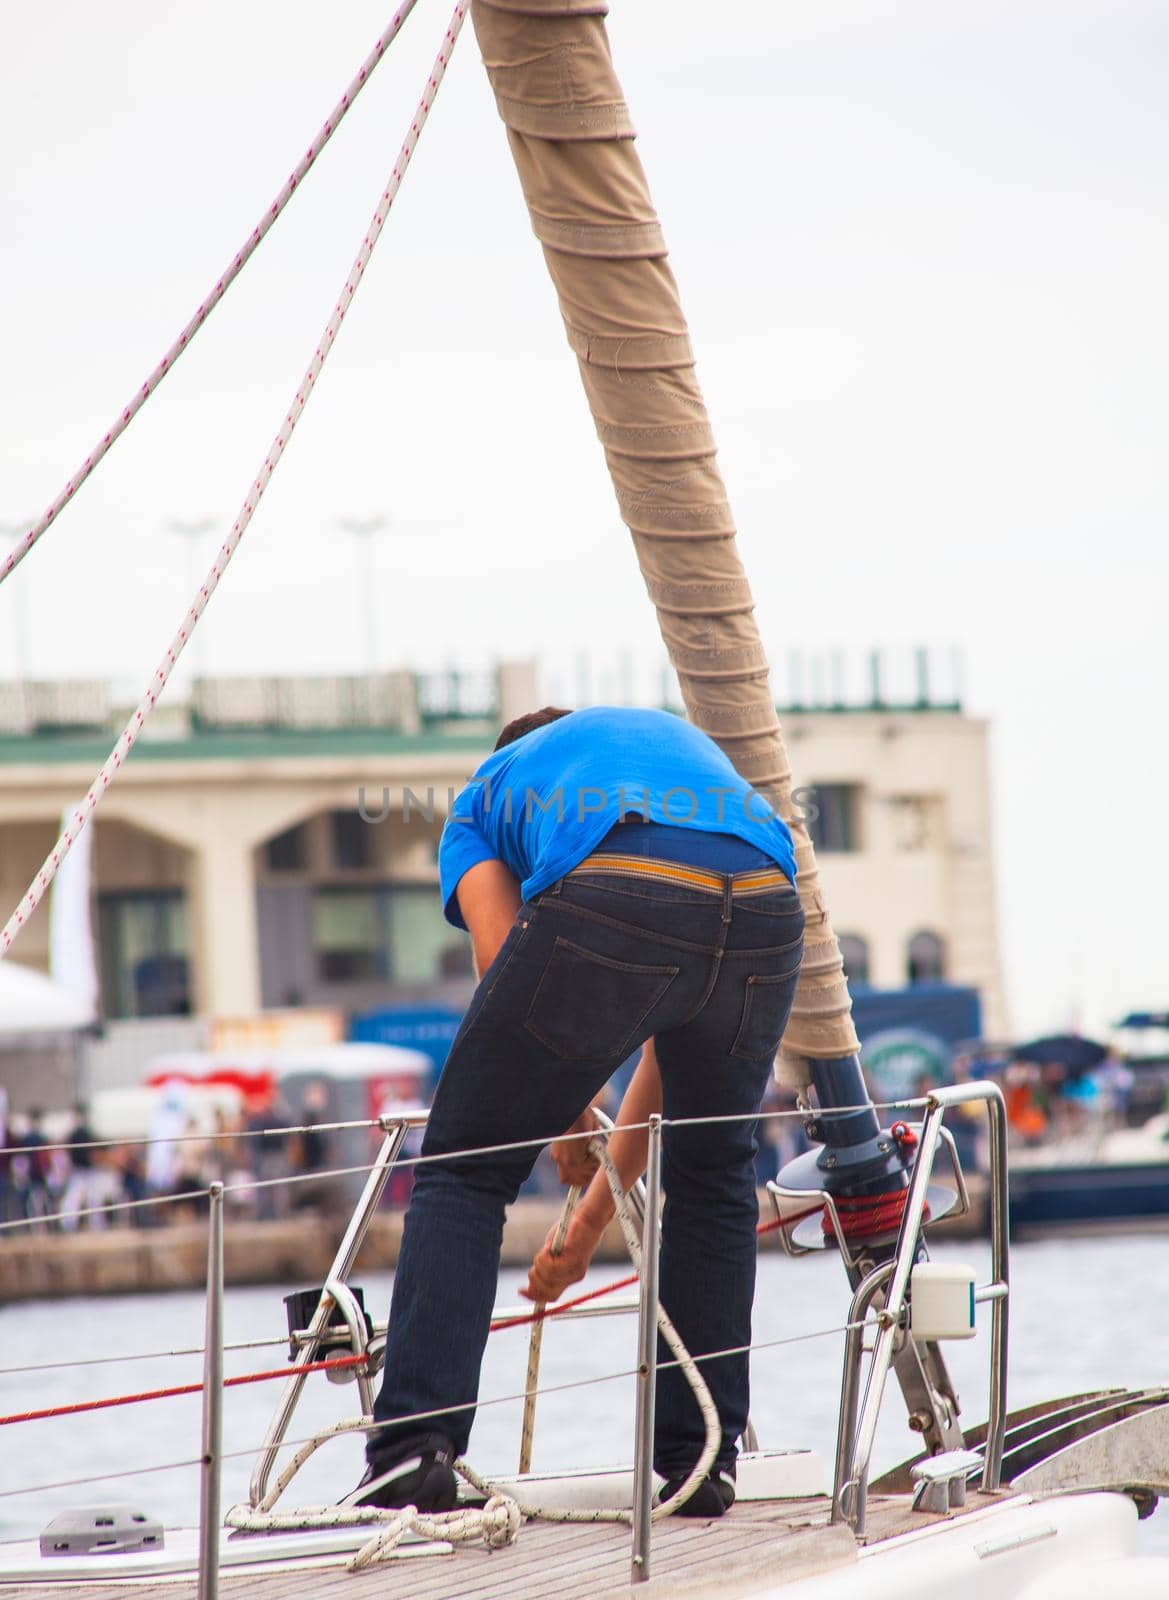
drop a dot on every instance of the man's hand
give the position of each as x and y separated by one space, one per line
550 1275
575 1164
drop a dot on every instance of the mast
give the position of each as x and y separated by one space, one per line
589 202
587 196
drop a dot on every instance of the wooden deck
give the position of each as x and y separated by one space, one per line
756 1543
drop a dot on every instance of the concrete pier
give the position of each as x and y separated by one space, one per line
39 1266
298 1251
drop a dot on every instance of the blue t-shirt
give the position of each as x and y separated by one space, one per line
543 803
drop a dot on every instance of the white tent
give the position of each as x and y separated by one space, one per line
32 1003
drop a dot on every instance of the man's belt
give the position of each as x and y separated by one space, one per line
762 880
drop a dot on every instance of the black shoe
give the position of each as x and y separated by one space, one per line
714 1495
423 1477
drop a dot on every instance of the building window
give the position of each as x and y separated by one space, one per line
913 821
386 933
424 945
834 823
352 838
349 935
854 951
927 958
288 851
144 966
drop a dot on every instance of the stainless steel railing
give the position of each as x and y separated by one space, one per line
890 1281
394 1130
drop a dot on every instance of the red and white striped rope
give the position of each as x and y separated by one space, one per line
23 545
133 728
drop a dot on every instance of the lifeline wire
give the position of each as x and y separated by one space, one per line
375 1122
23 545
369 1425
134 727
252 1185
527 1319
192 1138
142 1355
542 1313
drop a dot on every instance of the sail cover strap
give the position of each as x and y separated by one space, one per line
590 206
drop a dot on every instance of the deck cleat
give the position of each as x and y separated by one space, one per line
940 1481
101 1531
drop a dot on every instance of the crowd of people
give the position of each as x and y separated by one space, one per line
74 1179
1045 1101
43 1183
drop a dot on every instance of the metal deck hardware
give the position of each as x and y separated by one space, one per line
101 1531
885 1288
941 1480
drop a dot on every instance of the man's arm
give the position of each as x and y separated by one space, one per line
489 897
550 1274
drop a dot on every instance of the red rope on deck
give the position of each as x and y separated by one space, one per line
544 1312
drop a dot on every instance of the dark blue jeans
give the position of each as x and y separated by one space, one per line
592 968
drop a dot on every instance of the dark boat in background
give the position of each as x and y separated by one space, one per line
1089 1119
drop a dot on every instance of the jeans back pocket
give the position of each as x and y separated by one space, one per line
766 1003
589 1007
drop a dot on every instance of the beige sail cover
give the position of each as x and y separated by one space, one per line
572 140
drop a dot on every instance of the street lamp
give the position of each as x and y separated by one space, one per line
366 530
192 529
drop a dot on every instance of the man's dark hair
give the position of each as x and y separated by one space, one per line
528 723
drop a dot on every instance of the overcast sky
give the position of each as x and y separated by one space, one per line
923 247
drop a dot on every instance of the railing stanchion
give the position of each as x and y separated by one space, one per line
996 1423
647 1359
394 1131
212 1437
843 1486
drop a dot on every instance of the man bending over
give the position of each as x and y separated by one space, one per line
621 884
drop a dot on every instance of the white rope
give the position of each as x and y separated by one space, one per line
497 1522
133 728
186 338
536 1339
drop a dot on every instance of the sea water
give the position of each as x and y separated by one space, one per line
1085 1314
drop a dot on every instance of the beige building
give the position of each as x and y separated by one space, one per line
274 843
